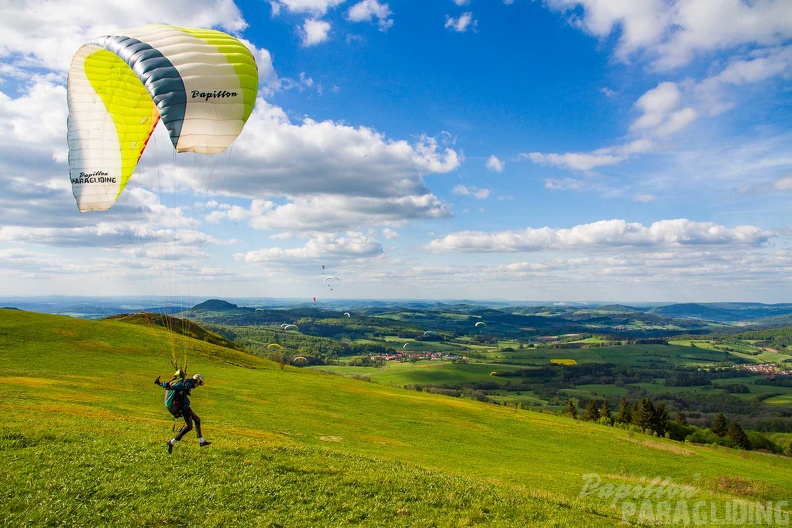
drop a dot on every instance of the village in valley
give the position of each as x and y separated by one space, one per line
767 369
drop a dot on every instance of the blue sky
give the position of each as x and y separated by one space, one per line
557 150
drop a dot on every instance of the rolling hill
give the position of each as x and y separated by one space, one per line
83 431
723 312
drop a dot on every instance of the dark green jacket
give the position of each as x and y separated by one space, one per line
185 386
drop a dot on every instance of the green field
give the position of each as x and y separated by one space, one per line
619 355
402 374
602 390
488 360
783 399
83 434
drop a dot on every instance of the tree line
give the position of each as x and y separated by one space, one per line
654 419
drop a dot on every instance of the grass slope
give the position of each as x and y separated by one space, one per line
83 430
177 326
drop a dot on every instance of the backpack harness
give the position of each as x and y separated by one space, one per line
174 399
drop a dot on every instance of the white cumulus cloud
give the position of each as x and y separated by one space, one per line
47 34
314 31
368 10
316 8
672 32
495 164
462 23
605 233
351 245
661 114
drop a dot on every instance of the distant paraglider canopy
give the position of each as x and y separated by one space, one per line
274 345
289 327
331 282
347 314
481 323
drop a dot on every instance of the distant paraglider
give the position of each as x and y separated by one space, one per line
481 323
331 282
289 327
347 314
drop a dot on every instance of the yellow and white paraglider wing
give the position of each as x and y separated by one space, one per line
202 83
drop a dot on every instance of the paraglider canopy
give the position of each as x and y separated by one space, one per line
202 83
331 282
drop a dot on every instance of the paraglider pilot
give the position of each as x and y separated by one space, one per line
182 390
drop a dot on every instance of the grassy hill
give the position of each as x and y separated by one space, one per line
724 312
83 431
177 326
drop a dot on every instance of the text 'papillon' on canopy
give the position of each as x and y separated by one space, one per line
202 83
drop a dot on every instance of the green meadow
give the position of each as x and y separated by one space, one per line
496 370
619 355
83 432
402 374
